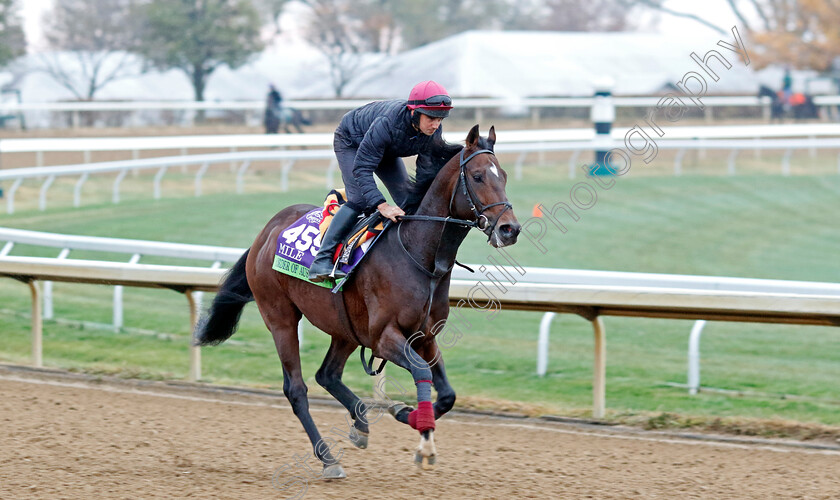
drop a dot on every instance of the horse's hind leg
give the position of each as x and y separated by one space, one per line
329 377
283 325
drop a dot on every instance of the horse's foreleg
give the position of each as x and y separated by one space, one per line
394 347
445 393
329 377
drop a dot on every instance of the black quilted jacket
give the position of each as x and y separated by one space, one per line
380 130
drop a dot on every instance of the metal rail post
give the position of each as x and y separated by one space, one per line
694 357
542 343
118 297
195 351
600 369
37 325
77 189
48 288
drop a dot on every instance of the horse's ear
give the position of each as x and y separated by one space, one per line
472 137
491 136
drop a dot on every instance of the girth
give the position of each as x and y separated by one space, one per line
344 317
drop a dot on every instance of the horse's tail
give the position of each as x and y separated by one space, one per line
220 321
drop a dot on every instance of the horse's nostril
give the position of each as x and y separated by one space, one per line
510 230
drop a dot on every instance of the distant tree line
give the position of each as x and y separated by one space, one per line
797 33
12 40
95 42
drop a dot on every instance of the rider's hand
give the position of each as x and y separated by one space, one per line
390 211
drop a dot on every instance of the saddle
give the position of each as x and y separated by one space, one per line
298 243
367 229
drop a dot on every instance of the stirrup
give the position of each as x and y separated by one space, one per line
334 274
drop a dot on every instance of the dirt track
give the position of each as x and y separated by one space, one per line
64 438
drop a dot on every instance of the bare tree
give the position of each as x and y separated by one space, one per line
91 40
335 28
198 36
271 10
12 41
799 33
424 21
659 5
586 15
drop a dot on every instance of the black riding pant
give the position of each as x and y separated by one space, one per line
391 171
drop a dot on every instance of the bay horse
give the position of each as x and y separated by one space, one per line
799 107
389 304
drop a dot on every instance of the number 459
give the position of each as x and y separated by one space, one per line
305 239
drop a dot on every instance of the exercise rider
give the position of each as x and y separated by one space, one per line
373 139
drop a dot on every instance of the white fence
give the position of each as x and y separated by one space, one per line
590 294
135 248
233 141
84 170
242 161
346 104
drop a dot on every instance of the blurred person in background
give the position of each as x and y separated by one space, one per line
787 89
273 110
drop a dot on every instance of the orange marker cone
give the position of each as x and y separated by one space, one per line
537 212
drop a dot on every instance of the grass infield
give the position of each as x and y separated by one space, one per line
757 225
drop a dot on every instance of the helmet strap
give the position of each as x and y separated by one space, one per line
415 119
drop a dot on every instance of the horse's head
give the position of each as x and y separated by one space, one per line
479 193
765 91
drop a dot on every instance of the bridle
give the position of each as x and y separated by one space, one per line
476 206
481 221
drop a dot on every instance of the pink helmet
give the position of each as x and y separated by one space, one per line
430 98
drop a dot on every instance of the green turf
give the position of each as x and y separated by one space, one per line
761 226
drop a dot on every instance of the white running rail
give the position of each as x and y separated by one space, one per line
288 158
590 294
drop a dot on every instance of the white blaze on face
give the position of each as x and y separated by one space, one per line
494 170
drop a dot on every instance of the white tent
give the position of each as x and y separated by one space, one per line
529 63
471 64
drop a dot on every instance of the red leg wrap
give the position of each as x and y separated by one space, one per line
423 418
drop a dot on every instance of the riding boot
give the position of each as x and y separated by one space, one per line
322 267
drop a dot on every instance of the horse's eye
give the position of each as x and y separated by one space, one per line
477 177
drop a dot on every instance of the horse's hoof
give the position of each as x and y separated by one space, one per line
396 408
359 439
334 471
425 463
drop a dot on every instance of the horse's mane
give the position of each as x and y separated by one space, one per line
428 170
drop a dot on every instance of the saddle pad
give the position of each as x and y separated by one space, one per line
298 244
363 231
